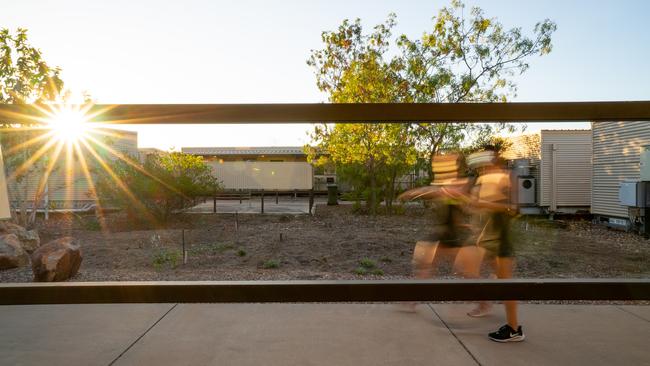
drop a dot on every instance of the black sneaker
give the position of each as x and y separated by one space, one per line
507 334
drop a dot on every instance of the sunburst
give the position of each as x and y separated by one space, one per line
65 134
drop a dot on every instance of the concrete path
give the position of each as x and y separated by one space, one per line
317 334
285 206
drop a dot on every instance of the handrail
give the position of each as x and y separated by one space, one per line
323 291
369 112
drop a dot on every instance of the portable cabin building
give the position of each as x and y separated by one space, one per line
565 171
68 188
282 168
556 164
617 150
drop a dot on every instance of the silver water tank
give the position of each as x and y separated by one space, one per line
521 167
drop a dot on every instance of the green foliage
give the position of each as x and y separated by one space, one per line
460 59
360 271
271 264
241 253
25 78
166 258
386 260
377 272
164 183
367 263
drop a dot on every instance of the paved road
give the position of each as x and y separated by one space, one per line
317 334
286 206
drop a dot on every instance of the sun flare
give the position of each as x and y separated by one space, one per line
69 125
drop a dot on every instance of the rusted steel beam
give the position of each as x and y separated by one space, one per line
322 291
307 113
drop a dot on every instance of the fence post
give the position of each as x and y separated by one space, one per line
262 201
277 196
214 203
311 200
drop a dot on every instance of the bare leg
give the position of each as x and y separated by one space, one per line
505 266
423 258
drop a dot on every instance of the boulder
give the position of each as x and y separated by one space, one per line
12 254
28 238
57 260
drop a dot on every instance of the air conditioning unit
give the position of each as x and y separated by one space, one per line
526 190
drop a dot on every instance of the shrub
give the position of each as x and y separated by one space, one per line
367 263
271 264
164 183
360 271
166 258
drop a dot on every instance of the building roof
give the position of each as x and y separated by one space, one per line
258 150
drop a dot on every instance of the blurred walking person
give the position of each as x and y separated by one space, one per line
491 208
450 229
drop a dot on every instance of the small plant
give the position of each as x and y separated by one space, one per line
271 264
399 210
378 272
360 271
241 253
92 225
166 258
356 207
386 260
367 263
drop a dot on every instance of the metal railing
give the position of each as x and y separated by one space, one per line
337 291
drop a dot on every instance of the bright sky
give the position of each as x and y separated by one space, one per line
206 51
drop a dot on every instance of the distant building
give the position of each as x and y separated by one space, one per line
555 168
283 168
68 188
618 150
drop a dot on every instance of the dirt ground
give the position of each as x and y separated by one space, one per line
332 244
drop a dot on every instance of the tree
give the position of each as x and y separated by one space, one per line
352 69
460 60
24 78
153 190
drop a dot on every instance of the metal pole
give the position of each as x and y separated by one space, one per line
214 204
262 201
184 252
311 200
277 194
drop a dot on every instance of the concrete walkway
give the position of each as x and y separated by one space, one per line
285 206
317 334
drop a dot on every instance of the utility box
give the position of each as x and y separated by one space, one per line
526 190
633 194
644 163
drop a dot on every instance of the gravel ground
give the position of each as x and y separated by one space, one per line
328 245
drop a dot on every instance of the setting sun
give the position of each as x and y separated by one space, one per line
68 125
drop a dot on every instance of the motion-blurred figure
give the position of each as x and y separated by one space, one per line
450 230
492 212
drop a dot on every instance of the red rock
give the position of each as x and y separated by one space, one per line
12 254
56 261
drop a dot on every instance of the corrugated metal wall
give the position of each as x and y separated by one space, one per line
264 175
67 184
616 148
566 172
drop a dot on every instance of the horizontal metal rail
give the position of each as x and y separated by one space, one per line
370 112
322 291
